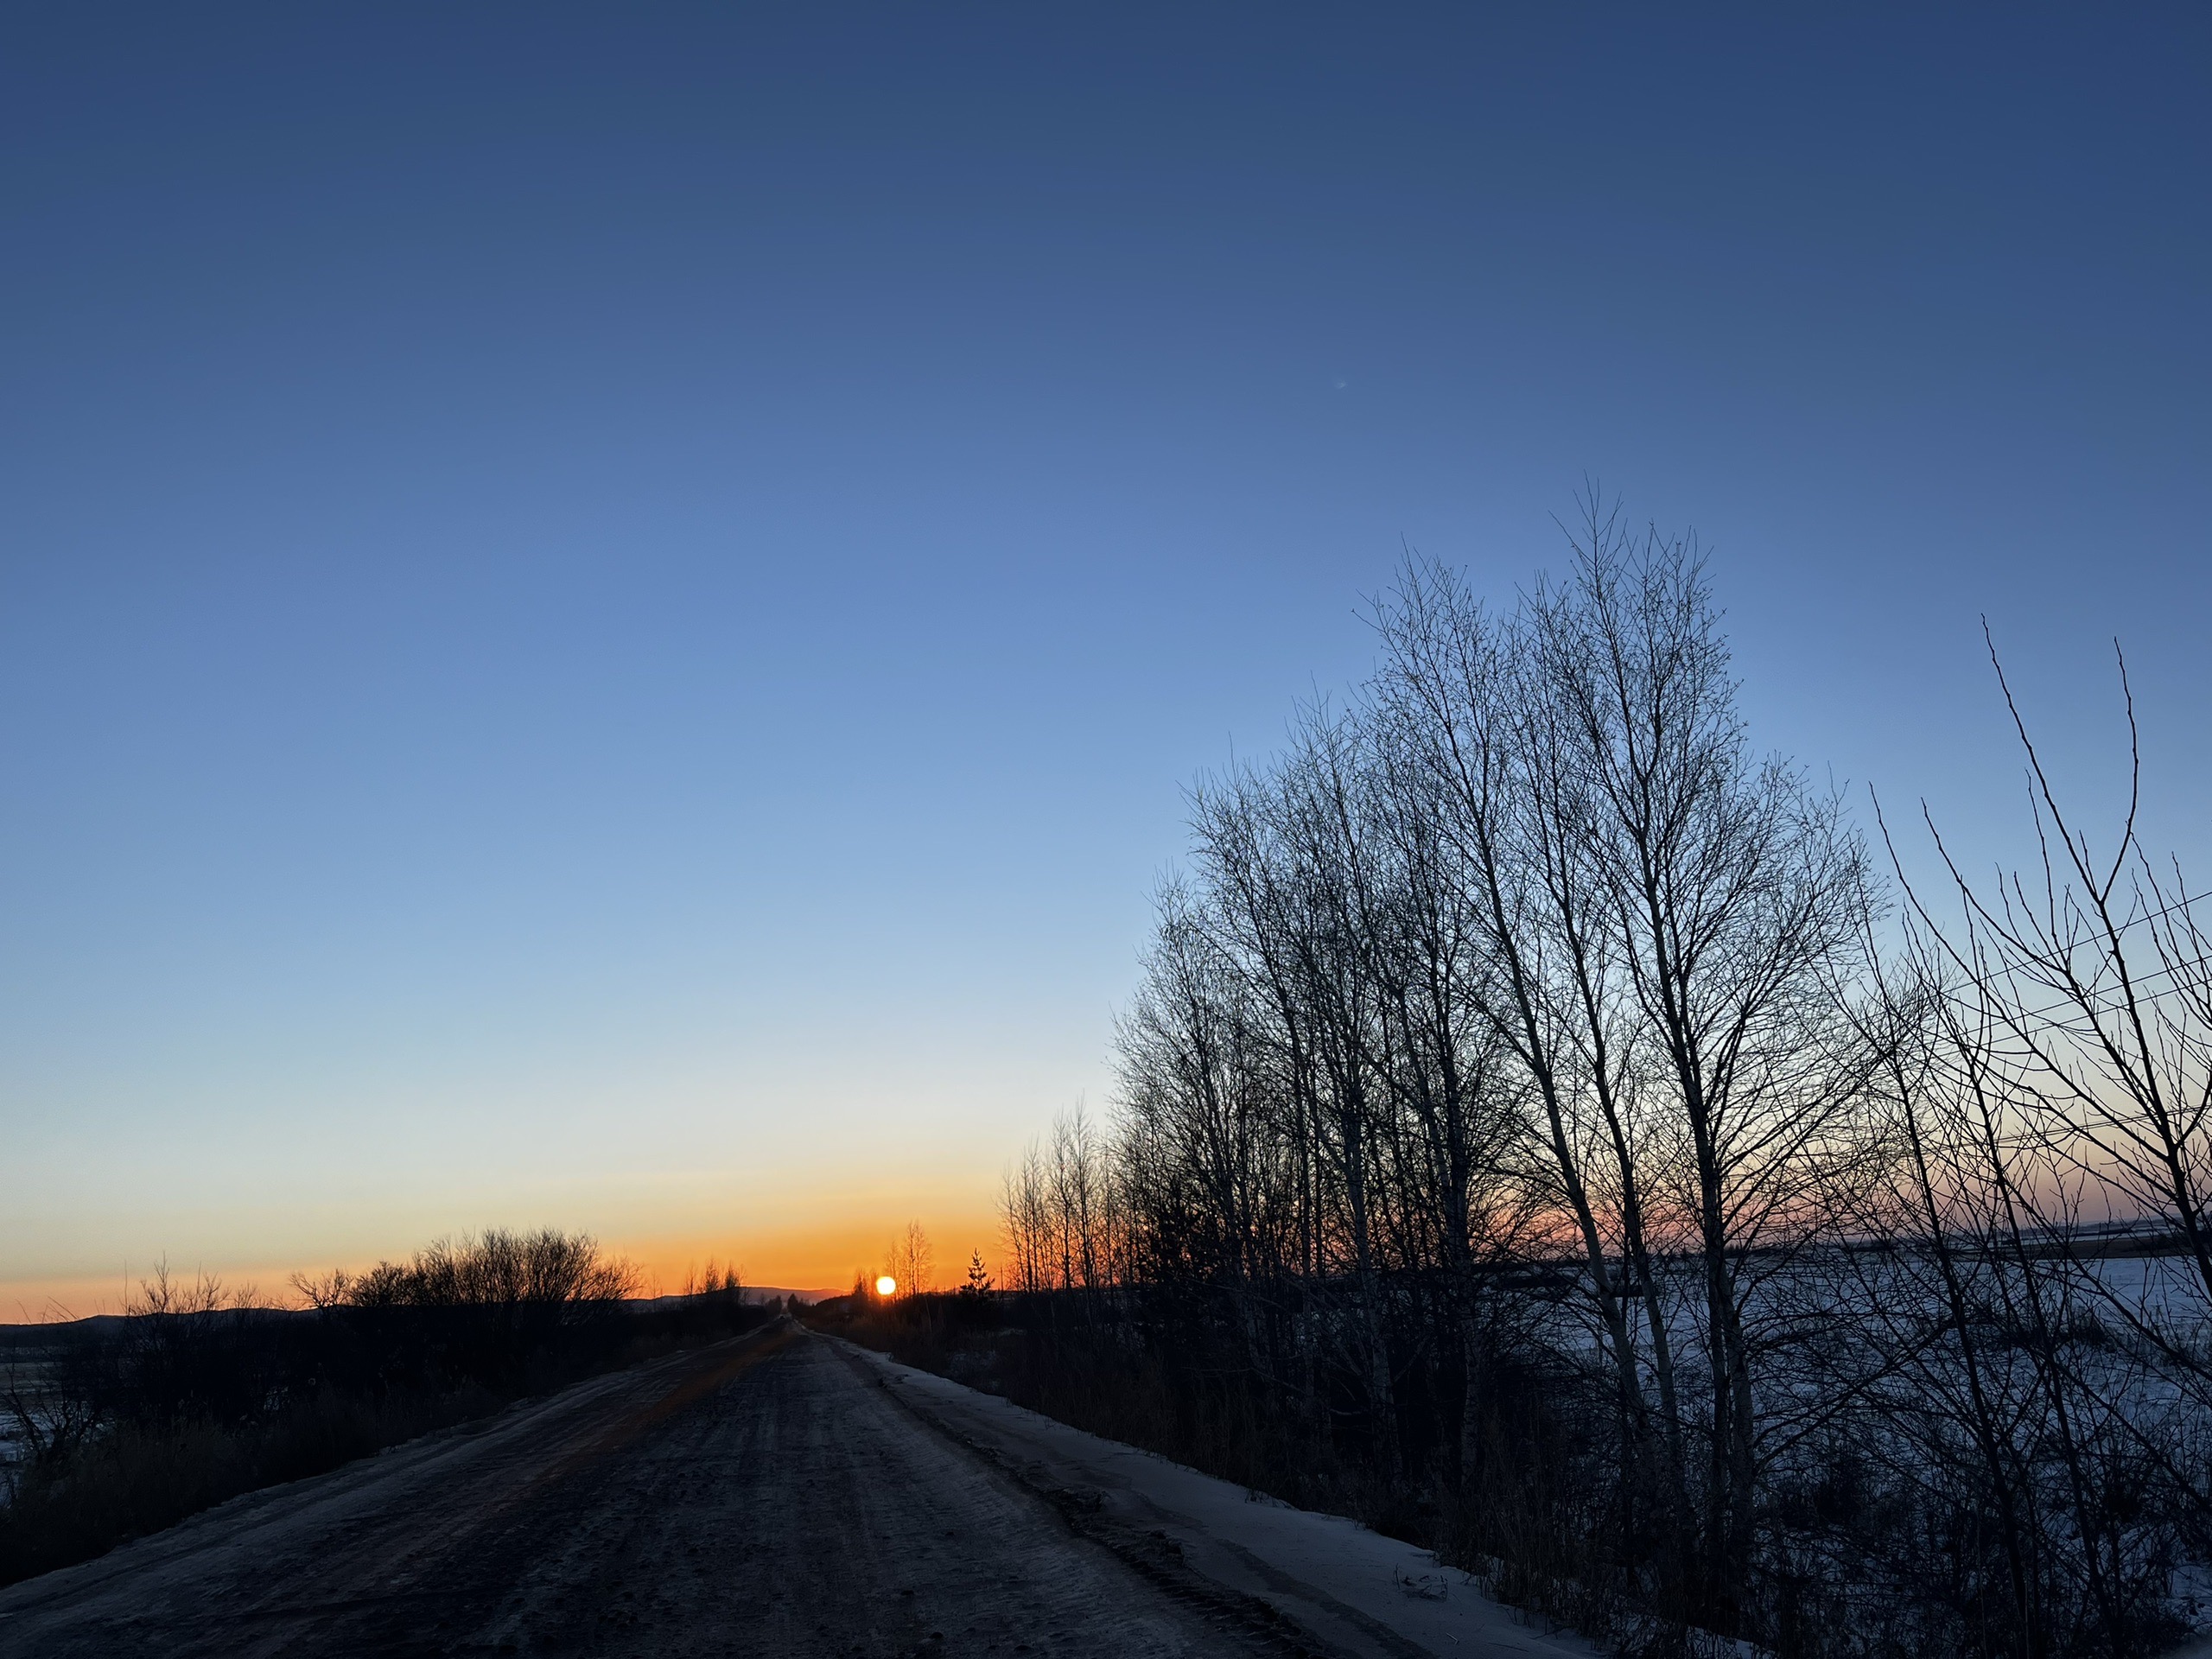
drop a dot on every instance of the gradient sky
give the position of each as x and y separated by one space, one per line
603 611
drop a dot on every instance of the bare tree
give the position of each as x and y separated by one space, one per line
2096 968
1737 892
910 1260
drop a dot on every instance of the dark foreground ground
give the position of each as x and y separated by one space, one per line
766 1496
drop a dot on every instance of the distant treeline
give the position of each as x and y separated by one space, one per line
125 1426
1552 1129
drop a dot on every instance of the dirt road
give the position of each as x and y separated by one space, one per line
766 1497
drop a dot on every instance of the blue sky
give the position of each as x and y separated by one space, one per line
603 611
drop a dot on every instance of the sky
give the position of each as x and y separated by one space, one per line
604 612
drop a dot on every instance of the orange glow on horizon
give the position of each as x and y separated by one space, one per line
824 1253
826 1258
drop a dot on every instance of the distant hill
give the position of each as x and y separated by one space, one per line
755 1294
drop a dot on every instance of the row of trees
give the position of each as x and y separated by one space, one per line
498 1268
1542 1097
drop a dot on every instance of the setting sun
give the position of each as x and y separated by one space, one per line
885 1285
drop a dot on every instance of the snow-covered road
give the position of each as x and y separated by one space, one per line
781 1496
1355 1590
